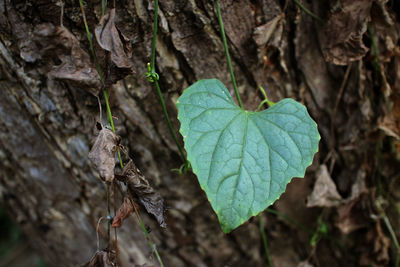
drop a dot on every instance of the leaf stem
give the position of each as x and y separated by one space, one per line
290 220
266 100
153 77
262 104
110 118
264 239
228 57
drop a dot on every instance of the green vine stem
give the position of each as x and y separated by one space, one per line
152 76
103 7
378 203
146 233
228 57
290 220
264 239
266 100
302 7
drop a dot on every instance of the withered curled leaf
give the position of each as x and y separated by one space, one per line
101 259
140 187
341 41
123 212
113 41
57 43
103 152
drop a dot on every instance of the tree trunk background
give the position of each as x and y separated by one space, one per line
52 191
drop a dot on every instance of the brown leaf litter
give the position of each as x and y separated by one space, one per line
351 215
341 38
102 154
325 193
138 185
57 43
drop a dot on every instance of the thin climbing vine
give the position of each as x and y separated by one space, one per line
153 77
95 150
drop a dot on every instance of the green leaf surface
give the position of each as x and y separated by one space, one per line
243 159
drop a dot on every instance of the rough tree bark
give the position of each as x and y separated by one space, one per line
51 190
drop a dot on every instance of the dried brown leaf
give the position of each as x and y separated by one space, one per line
140 187
351 215
113 41
101 259
57 43
324 193
341 40
268 34
389 126
359 187
103 152
123 212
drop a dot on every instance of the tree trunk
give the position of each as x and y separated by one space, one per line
52 190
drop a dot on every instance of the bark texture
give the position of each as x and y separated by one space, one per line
47 128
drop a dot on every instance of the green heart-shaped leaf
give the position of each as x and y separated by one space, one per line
243 159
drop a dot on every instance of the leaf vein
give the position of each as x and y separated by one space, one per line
215 148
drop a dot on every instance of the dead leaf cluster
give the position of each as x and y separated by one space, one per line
102 155
68 62
341 41
325 194
58 44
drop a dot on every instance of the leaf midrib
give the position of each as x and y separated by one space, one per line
215 148
244 142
